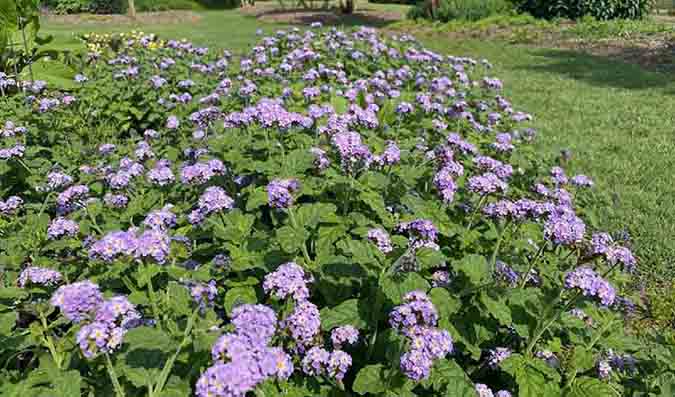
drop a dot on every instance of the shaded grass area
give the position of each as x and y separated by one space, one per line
617 119
619 122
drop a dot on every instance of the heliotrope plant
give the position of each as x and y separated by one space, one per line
333 213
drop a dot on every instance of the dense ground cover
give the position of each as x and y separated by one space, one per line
332 214
615 117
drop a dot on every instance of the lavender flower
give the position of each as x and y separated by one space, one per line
485 184
381 239
39 276
10 206
77 301
161 219
497 355
304 324
314 362
321 162
61 227
203 294
344 335
288 280
590 284
280 192
256 322
338 364
416 309
115 200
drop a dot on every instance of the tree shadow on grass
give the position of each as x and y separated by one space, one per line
605 70
329 17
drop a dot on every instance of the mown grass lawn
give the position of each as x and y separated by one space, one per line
617 119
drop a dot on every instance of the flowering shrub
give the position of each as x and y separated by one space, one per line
335 213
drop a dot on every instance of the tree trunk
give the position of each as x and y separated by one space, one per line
131 9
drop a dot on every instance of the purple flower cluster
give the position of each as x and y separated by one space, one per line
214 199
590 284
344 335
105 334
497 355
115 200
319 361
11 205
390 156
72 197
161 174
39 276
381 240
603 244
416 318
62 227
151 244
199 173
77 301
203 294
354 154
280 192
289 280
485 391
57 180
486 184
321 161
304 324
161 219
15 151
243 359
421 233
563 227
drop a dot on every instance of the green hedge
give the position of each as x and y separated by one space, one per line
575 9
469 10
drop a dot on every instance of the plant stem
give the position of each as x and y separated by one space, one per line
49 342
493 258
169 364
475 211
303 245
153 302
534 261
119 392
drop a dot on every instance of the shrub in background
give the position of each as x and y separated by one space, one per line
470 10
575 9
120 6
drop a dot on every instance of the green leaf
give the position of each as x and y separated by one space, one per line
589 387
348 312
179 298
429 258
256 199
291 239
12 293
533 376
446 304
67 384
148 338
474 267
176 387
449 376
309 215
370 379
7 321
237 296
497 308
395 286
582 359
